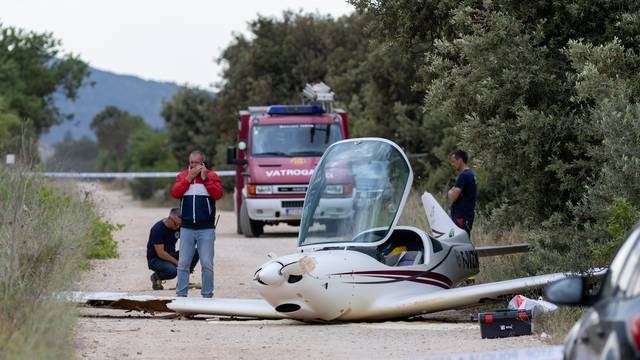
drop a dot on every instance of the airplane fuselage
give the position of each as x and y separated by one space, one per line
353 284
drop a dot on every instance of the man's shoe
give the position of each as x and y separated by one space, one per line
156 283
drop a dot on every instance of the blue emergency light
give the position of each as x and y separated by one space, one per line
294 109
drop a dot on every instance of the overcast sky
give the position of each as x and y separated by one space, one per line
164 40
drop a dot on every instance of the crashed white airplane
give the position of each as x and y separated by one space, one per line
354 263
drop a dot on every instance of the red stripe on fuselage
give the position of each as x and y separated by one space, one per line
418 280
438 233
406 273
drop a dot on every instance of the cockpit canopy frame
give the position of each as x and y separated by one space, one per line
375 176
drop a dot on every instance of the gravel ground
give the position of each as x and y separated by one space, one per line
114 334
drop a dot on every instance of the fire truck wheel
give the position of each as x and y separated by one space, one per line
250 228
238 227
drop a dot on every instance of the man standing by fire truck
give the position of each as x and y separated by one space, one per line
198 188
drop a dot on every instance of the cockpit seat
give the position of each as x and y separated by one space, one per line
403 248
403 258
410 258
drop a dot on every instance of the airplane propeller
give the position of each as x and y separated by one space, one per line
275 273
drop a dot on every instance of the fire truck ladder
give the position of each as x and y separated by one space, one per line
318 94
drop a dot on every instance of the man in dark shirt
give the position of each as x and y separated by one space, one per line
462 195
162 256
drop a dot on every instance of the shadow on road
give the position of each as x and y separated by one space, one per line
279 234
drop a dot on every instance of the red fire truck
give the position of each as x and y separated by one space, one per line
278 147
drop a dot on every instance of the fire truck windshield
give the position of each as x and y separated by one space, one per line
303 140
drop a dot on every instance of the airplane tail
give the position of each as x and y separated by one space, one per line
442 227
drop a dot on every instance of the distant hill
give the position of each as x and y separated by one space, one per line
130 93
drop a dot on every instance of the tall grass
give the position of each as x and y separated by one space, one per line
46 234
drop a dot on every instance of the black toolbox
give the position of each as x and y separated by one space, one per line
505 323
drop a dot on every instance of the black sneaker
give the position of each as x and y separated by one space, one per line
156 283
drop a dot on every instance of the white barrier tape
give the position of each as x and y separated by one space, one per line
122 175
534 353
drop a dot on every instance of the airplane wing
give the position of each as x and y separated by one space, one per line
455 298
252 308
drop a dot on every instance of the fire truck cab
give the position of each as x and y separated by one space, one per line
278 147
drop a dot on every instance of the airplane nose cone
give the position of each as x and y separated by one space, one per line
270 274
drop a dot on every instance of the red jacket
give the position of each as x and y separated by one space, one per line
197 199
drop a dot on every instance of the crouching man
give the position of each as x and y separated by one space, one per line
162 257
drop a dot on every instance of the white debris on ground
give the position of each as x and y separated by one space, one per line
520 302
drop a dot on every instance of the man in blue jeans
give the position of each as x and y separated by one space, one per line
162 256
198 188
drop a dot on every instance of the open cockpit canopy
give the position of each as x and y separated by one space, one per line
356 193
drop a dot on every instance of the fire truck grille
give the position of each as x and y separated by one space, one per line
292 204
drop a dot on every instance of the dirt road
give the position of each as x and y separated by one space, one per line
113 334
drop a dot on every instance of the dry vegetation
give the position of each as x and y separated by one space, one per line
46 235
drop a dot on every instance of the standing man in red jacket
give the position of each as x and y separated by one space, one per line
198 188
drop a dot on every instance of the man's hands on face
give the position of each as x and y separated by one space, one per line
203 171
194 171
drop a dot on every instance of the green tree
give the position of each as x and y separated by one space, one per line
373 77
192 123
149 150
113 128
273 63
32 68
606 78
10 126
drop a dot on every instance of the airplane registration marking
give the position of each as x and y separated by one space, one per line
467 259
